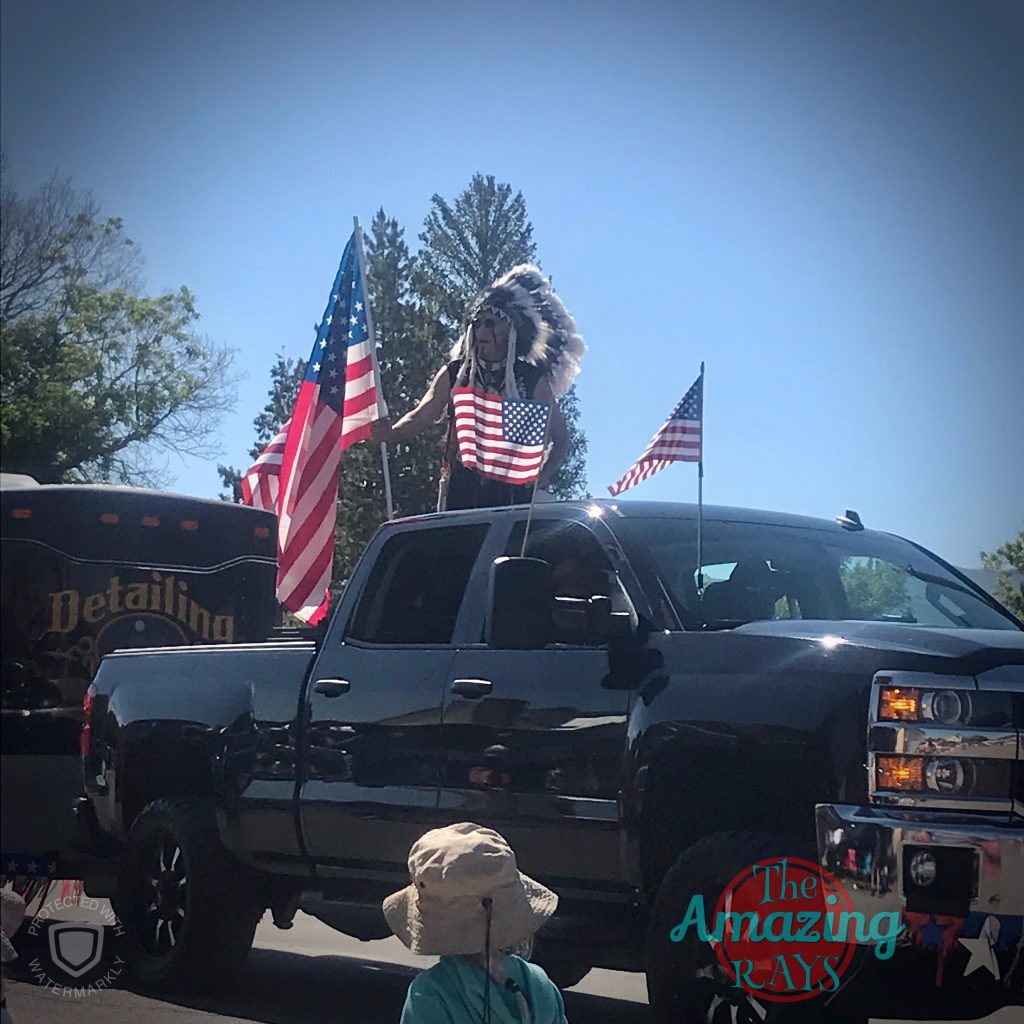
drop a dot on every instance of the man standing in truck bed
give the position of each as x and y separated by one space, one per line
520 342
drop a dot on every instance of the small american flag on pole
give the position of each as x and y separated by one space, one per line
296 475
678 440
501 438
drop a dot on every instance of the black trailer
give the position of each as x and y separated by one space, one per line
91 569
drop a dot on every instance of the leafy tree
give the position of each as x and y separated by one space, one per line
1008 562
95 376
875 588
285 377
466 245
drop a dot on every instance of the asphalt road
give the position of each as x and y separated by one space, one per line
312 975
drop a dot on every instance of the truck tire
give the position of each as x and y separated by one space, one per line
685 984
187 913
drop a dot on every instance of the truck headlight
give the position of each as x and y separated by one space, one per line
900 773
948 707
947 775
940 741
911 704
941 776
899 704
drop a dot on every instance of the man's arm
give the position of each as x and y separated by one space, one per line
427 412
559 434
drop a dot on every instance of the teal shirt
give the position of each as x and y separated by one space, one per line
452 992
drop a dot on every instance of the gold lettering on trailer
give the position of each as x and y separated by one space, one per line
94 607
65 611
164 595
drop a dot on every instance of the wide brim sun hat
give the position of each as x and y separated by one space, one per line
455 871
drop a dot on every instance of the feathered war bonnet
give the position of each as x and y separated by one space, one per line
542 331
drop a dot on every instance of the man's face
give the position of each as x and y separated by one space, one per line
491 335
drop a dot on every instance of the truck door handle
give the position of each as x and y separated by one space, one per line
331 687
473 689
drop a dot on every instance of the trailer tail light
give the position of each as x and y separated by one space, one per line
150 521
262 531
189 525
21 513
110 517
85 736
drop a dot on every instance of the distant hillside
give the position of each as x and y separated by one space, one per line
986 578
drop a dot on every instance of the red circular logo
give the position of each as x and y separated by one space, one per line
780 930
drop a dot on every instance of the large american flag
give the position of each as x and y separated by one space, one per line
501 438
678 440
296 475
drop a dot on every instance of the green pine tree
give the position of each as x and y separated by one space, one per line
466 245
571 479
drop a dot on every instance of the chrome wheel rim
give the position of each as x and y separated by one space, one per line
164 897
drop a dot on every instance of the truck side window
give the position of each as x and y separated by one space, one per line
416 587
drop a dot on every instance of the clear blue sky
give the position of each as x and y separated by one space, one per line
823 200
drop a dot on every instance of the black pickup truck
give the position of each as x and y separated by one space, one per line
833 693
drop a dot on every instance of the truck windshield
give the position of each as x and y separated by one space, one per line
757 572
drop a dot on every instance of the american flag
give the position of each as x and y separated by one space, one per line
296 475
678 440
501 438
260 483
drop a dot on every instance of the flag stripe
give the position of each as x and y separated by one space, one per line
297 473
680 439
501 438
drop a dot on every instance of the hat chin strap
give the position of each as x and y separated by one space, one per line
488 910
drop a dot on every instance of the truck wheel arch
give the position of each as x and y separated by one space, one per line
687 793
163 759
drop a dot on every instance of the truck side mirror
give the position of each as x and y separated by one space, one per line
605 625
519 604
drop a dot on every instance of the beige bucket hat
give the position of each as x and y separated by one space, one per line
453 870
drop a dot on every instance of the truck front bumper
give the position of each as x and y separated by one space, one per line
927 863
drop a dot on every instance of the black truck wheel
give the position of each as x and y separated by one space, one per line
685 983
187 913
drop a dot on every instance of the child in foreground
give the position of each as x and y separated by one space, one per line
469 904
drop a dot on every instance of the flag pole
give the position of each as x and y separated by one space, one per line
700 493
382 409
536 481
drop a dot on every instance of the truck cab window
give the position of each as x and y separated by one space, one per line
579 566
416 588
